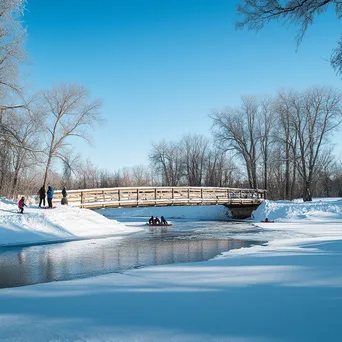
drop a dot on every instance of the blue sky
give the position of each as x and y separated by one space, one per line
160 67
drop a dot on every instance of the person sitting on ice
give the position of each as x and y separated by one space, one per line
21 205
157 221
151 220
162 220
266 219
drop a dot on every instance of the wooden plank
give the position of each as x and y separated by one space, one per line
158 196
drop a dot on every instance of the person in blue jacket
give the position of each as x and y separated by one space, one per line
50 196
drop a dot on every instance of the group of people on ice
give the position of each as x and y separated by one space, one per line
156 221
42 193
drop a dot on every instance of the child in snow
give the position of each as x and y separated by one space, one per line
21 205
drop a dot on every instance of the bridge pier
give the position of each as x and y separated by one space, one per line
241 212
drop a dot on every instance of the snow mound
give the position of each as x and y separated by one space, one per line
283 211
38 225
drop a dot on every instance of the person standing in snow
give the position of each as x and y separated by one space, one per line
50 196
42 194
64 199
21 205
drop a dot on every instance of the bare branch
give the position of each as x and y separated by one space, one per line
257 13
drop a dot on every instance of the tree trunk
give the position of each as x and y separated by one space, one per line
47 170
307 197
287 172
265 171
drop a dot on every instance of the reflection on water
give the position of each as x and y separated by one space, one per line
81 259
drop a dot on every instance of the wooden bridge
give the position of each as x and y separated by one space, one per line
241 202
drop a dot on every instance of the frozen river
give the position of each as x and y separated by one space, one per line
185 241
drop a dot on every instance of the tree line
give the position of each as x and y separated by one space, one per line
281 143
284 142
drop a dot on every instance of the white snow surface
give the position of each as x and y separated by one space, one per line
38 225
287 290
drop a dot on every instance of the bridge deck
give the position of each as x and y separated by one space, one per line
161 196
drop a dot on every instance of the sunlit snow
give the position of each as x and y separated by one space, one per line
288 290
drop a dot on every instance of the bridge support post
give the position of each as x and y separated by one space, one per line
82 199
241 212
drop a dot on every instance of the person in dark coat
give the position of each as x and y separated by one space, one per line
157 221
64 199
162 220
151 220
42 194
50 195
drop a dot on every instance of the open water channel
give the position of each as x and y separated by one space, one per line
185 241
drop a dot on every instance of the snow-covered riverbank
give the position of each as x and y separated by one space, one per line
63 223
288 290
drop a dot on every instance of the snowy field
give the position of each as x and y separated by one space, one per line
288 290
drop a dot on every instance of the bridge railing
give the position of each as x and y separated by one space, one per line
160 196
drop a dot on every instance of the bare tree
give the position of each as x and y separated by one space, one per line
12 37
5 166
327 169
287 138
266 126
194 148
214 167
26 146
167 160
69 113
126 178
236 129
70 165
317 113
141 176
337 182
87 175
336 59
19 142
220 170
256 13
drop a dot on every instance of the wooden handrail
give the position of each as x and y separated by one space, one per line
160 196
